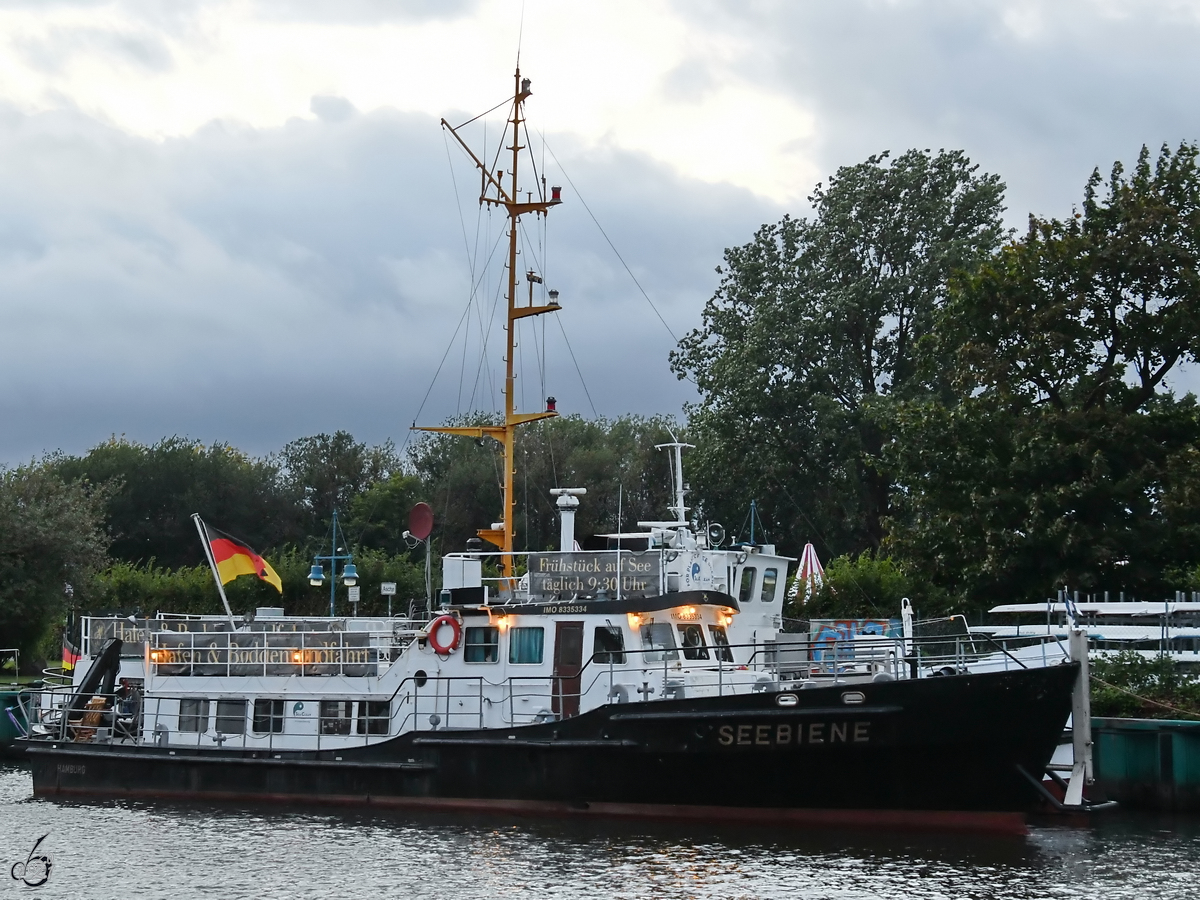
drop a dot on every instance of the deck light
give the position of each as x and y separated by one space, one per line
316 575
350 575
296 656
635 621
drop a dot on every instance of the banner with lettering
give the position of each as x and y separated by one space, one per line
599 574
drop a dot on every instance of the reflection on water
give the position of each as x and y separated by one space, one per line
136 850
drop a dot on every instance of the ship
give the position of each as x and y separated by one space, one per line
647 676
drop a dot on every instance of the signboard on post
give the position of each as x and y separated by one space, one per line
388 589
609 574
354 592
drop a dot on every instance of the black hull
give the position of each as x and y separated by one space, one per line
944 752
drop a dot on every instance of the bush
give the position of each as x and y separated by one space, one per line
1154 680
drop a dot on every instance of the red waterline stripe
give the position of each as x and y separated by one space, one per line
1008 823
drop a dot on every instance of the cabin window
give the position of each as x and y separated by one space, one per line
691 638
525 645
231 716
335 716
770 577
193 714
608 646
746 592
720 642
658 639
482 645
268 716
374 715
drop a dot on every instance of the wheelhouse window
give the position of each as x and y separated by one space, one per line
481 645
335 716
691 639
231 716
374 715
268 716
608 646
746 591
720 642
770 578
526 645
658 640
193 714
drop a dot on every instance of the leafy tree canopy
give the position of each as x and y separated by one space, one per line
813 323
51 537
1064 460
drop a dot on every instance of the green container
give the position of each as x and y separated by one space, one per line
1148 763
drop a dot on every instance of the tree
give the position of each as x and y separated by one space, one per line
614 459
1064 458
153 491
51 537
813 325
326 472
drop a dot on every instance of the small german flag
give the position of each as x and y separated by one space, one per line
233 558
70 654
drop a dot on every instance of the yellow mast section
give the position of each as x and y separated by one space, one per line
504 536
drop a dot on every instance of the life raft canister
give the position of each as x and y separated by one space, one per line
435 626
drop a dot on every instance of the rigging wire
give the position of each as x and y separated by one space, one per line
611 245
586 392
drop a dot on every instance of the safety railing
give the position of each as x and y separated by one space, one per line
425 702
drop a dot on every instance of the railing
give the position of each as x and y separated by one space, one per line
423 702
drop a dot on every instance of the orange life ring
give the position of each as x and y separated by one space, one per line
433 630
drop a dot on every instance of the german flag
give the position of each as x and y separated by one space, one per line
233 558
70 654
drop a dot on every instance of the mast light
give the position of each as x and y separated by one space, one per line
553 298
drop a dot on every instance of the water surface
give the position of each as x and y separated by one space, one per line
102 850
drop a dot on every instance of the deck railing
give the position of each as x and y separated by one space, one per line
425 702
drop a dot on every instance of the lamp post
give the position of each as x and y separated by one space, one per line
316 575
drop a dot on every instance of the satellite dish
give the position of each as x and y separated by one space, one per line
420 521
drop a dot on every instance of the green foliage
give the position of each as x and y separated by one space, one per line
326 472
865 586
153 491
1064 460
1157 679
615 460
813 328
51 535
130 589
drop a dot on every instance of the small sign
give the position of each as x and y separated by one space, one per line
388 588
354 593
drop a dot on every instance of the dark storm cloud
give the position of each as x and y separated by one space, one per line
254 285
1038 93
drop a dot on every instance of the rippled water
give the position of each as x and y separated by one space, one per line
138 850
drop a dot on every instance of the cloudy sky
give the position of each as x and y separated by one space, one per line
239 220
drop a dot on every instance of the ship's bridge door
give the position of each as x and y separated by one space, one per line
568 664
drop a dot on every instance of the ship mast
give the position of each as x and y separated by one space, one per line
494 193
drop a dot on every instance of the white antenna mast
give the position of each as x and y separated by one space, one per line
680 488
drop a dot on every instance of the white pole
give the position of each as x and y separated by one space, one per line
203 532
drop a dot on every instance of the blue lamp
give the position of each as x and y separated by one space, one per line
316 576
349 575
